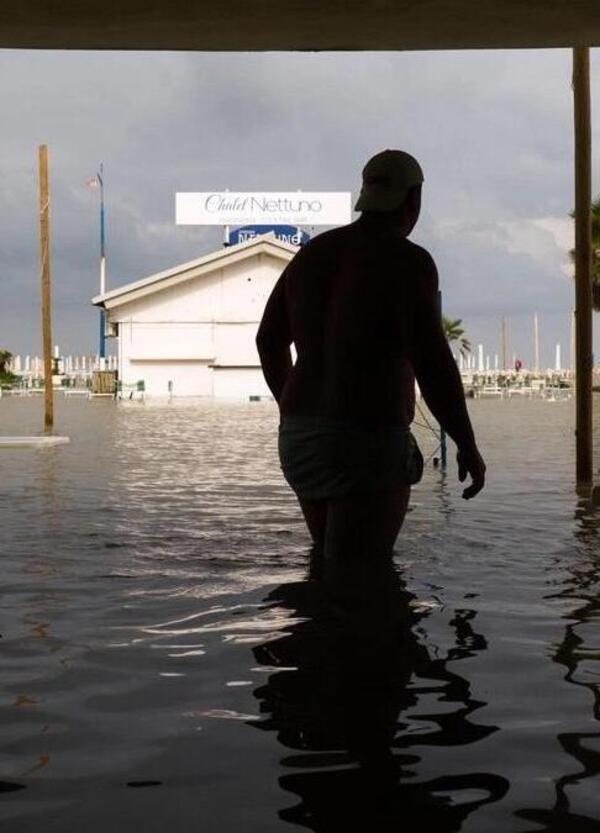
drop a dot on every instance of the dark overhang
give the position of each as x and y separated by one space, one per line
222 25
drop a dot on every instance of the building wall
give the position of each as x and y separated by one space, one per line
174 378
179 333
239 383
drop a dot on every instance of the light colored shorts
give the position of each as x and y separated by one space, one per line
327 458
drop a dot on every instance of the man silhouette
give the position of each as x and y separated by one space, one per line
360 304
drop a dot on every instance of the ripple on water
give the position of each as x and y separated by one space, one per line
159 630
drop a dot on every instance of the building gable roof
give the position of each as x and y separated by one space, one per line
263 244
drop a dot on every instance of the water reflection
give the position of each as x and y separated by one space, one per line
345 700
179 518
581 661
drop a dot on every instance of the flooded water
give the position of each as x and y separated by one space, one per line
171 660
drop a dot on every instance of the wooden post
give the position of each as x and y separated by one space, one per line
583 251
45 276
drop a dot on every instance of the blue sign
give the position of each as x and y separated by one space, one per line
289 234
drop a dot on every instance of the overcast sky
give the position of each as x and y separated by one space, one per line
492 130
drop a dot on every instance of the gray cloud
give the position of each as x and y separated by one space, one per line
493 131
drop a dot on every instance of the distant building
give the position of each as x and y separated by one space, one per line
190 331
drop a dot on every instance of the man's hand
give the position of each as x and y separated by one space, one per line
471 462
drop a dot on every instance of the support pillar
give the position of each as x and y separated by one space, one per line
583 251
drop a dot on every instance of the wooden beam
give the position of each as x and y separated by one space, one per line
269 25
45 277
583 252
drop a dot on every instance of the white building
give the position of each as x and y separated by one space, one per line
190 331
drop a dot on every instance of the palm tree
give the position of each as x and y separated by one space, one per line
6 377
595 268
454 332
5 357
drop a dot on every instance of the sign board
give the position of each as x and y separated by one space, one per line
289 234
294 208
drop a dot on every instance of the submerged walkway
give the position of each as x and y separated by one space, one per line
32 442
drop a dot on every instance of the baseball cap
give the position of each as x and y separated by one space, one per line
387 178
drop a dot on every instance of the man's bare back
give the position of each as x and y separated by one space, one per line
360 304
352 299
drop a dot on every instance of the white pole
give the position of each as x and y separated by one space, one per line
557 358
480 358
573 341
100 177
487 364
536 344
102 275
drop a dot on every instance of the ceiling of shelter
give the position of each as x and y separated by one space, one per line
298 24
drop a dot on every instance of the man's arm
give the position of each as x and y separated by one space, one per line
273 340
439 378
